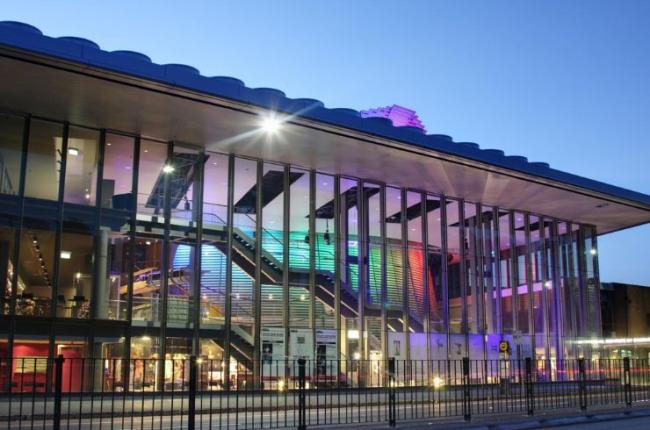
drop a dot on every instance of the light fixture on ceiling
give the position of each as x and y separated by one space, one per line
168 168
271 124
66 255
73 151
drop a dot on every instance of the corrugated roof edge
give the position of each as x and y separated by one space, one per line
83 51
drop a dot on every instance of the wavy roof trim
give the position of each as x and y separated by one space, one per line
83 51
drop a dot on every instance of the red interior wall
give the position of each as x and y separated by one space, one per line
28 381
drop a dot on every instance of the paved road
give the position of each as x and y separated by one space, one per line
642 423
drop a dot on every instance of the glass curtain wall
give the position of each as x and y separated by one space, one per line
115 227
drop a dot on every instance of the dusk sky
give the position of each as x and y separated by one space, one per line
566 82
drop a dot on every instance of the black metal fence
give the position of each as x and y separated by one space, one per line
84 393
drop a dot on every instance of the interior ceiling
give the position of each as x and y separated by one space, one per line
46 87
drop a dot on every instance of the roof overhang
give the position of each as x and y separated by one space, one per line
81 94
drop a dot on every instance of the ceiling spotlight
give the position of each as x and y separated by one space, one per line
271 124
168 168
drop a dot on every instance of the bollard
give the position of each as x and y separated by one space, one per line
582 384
467 410
58 382
191 406
627 381
392 419
530 399
302 407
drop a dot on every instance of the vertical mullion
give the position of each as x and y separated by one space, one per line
463 273
544 279
59 226
529 283
383 269
229 245
361 304
362 278
286 239
424 237
257 291
98 216
496 231
131 262
514 276
164 279
312 259
597 311
557 300
405 273
197 208
443 277
337 268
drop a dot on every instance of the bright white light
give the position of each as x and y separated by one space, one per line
271 124
66 255
147 242
356 356
593 251
168 169
353 334
73 151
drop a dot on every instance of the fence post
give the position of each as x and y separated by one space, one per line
58 382
582 384
392 419
627 381
530 399
302 407
467 409
191 404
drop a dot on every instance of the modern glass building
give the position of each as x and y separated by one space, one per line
148 211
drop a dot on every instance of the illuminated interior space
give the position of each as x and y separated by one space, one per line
149 212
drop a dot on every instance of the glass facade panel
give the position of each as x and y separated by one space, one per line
435 262
117 180
75 286
81 167
395 278
36 271
299 250
523 295
507 277
184 201
324 247
490 269
44 158
11 144
472 246
214 247
454 279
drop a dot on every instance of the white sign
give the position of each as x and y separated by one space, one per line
272 352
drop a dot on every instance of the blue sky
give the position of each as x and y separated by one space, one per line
566 82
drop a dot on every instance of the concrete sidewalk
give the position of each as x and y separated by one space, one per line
515 422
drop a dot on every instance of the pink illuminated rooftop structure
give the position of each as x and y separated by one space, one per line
401 116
